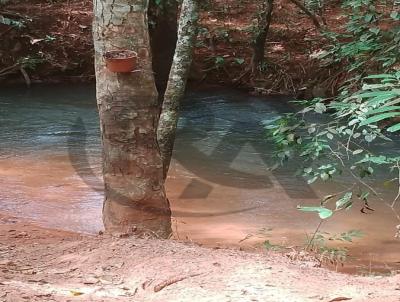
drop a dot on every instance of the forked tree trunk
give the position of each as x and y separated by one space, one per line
128 108
263 23
187 33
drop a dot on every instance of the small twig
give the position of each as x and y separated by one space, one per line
171 281
315 234
9 68
26 76
365 184
348 142
6 31
308 13
398 190
246 71
248 236
176 229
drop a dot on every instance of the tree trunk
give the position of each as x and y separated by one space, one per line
308 13
163 35
264 21
179 73
128 107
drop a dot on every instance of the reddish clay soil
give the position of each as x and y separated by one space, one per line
58 33
37 264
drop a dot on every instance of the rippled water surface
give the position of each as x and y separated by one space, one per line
220 188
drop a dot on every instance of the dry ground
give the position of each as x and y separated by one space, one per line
46 265
58 34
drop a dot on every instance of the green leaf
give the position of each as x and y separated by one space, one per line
353 122
378 97
383 109
379 117
370 137
326 198
379 160
270 246
374 30
324 176
311 130
381 76
364 195
394 15
308 170
394 128
323 213
375 86
311 180
344 202
239 61
368 17
320 108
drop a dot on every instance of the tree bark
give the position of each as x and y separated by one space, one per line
163 36
179 73
264 21
128 108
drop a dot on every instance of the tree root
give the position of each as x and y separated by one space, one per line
15 68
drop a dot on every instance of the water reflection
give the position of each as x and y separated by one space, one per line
50 171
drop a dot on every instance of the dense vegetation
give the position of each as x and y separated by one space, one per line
364 111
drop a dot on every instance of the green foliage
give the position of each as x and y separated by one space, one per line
219 61
370 39
30 62
222 34
348 236
323 213
12 22
49 38
321 244
336 136
239 61
272 247
313 6
342 141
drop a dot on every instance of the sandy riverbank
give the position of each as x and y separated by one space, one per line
39 264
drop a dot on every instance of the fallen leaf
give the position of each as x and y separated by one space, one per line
75 293
34 41
339 299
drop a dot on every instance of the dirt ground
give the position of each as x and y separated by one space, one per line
38 264
57 41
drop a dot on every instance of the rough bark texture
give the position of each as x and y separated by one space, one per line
128 108
179 73
163 36
264 21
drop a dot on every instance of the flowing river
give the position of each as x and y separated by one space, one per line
220 188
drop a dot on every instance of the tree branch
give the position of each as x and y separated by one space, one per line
308 13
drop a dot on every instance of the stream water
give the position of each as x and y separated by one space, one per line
219 185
